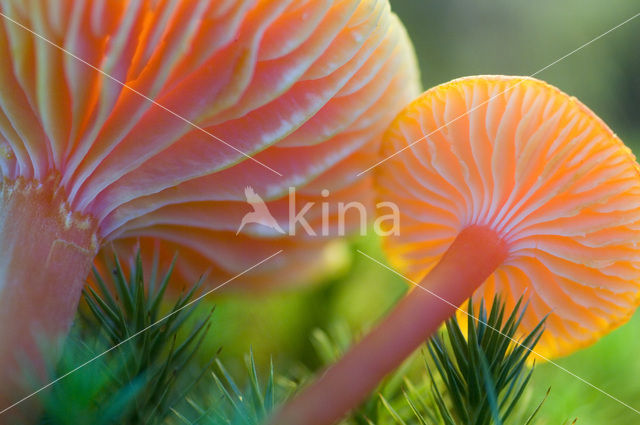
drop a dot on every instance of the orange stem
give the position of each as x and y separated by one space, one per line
469 261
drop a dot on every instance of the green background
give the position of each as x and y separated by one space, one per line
455 38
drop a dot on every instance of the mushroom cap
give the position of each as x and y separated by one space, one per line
537 166
304 87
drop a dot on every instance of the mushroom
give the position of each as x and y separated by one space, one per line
142 122
504 184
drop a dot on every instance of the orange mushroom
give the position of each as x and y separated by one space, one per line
143 122
504 184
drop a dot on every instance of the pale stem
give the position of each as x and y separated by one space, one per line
45 255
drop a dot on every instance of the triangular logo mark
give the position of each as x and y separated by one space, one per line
260 213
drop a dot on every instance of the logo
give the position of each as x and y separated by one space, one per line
260 213
332 217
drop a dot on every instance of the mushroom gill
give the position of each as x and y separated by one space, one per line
542 171
143 122
504 185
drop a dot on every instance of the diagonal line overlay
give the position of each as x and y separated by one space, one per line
501 333
138 333
499 94
115 80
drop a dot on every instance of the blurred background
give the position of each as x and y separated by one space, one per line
455 38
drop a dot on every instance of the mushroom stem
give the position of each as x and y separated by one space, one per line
46 252
475 253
